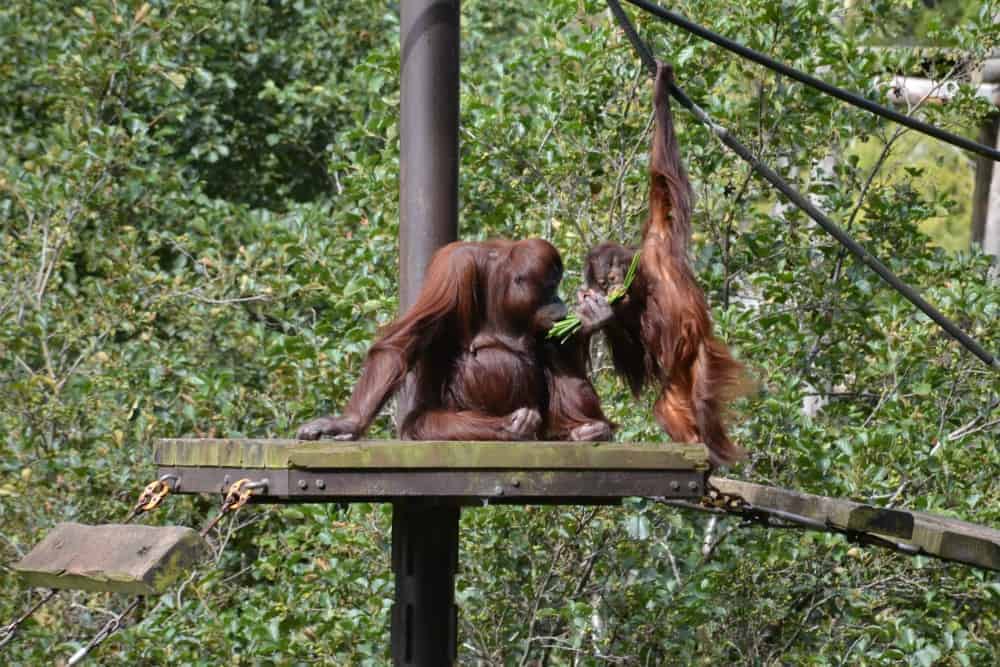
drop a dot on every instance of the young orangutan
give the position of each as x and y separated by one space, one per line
662 330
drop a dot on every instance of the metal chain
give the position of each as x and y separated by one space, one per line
8 631
109 629
715 498
151 497
733 503
236 497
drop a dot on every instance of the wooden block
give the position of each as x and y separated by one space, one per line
118 558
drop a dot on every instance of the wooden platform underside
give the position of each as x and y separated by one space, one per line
527 472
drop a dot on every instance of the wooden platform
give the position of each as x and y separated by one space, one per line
507 472
577 473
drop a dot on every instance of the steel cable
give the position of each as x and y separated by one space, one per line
845 95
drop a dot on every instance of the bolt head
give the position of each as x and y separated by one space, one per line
320 484
303 484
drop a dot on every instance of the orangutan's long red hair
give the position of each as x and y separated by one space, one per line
662 331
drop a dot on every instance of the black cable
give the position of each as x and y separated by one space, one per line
645 55
805 205
792 73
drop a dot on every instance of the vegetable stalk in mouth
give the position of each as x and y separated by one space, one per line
566 327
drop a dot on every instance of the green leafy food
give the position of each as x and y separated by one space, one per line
569 325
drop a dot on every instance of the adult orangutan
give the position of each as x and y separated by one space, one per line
474 341
662 330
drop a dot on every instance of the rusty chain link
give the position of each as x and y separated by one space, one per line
151 497
715 498
733 503
237 495
717 501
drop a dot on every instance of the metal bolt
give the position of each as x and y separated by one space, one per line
693 485
517 483
675 485
498 491
320 484
303 484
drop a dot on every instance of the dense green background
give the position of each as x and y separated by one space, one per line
199 211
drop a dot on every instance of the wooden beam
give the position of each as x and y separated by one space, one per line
957 540
944 537
844 514
113 558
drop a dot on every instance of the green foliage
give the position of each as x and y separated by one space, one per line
935 21
938 170
198 237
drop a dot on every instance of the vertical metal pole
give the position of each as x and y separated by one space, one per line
425 559
428 164
986 203
984 177
425 536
